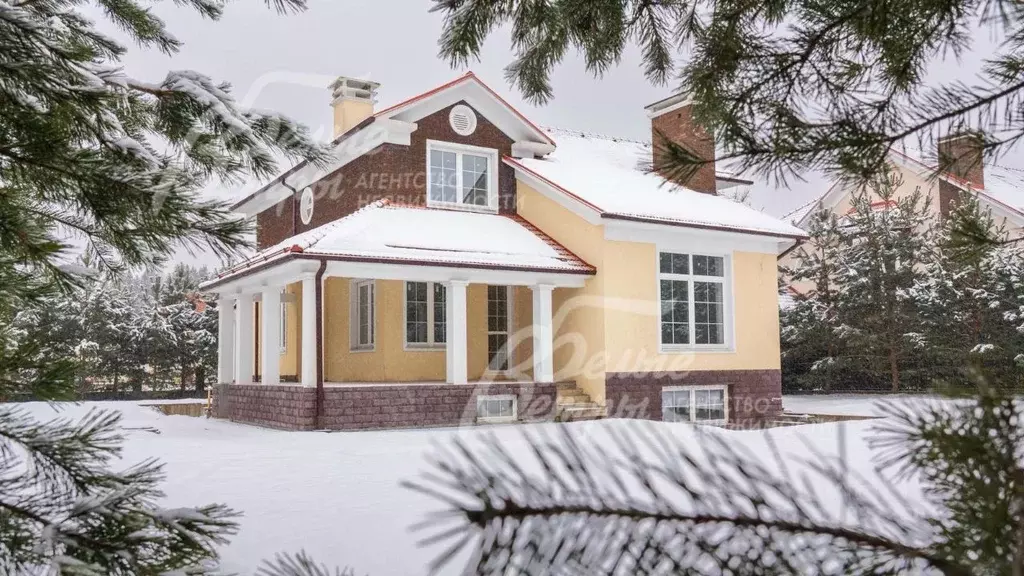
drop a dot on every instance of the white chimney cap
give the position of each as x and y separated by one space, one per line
355 88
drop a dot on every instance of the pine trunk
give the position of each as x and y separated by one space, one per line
894 370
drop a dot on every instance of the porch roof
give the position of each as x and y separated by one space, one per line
389 232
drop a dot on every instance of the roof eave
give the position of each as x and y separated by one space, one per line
698 226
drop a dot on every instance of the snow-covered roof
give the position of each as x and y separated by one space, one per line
389 232
1004 185
612 177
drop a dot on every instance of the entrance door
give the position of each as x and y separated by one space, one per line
499 322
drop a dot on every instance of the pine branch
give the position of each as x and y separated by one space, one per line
642 500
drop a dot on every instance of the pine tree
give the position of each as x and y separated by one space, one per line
119 162
643 501
785 87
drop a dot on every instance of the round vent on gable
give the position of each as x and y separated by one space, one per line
463 120
306 205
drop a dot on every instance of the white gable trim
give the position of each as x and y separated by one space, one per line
694 239
549 191
381 131
481 98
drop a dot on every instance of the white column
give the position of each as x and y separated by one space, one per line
226 340
309 359
244 365
270 354
455 323
543 336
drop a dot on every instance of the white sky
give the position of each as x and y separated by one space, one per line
285 63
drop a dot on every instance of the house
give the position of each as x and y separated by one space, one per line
456 263
999 189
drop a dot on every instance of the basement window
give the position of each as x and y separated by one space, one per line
496 408
702 404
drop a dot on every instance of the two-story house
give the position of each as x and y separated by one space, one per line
456 263
998 189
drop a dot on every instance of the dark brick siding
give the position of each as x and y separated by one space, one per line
754 395
374 407
389 171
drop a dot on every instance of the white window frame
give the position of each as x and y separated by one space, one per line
510 316
429 344
502 398
459 150
693 401
354 344
282 329
728 300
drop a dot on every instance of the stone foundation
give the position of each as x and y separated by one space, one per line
364 407
755 396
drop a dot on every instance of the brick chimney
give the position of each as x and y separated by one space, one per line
672 119
353 101
960 155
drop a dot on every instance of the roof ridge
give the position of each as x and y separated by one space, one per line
586 134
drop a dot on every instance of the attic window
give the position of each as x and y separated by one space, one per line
462 120
306 205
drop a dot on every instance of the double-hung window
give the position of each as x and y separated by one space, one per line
462 175
693 292
704 404
424 315
362 316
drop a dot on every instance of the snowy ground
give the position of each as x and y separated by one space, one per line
337 495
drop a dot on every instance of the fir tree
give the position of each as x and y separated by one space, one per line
887 241
810 347
971 294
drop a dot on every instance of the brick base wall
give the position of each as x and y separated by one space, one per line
374 407
755 396
287 407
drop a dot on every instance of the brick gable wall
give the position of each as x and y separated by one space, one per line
389 171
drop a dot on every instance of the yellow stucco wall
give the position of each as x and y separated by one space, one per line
612 324
578 313
633 310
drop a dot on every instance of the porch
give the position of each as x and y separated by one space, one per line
331 326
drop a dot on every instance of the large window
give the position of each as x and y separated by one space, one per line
693 296
424 314
362 315
705 404
461 175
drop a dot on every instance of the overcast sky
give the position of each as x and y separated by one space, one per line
285 63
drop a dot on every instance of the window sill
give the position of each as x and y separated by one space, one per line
361 349
692 349
461 207
424 347
496 420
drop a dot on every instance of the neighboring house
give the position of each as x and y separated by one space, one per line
998 188
457 263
